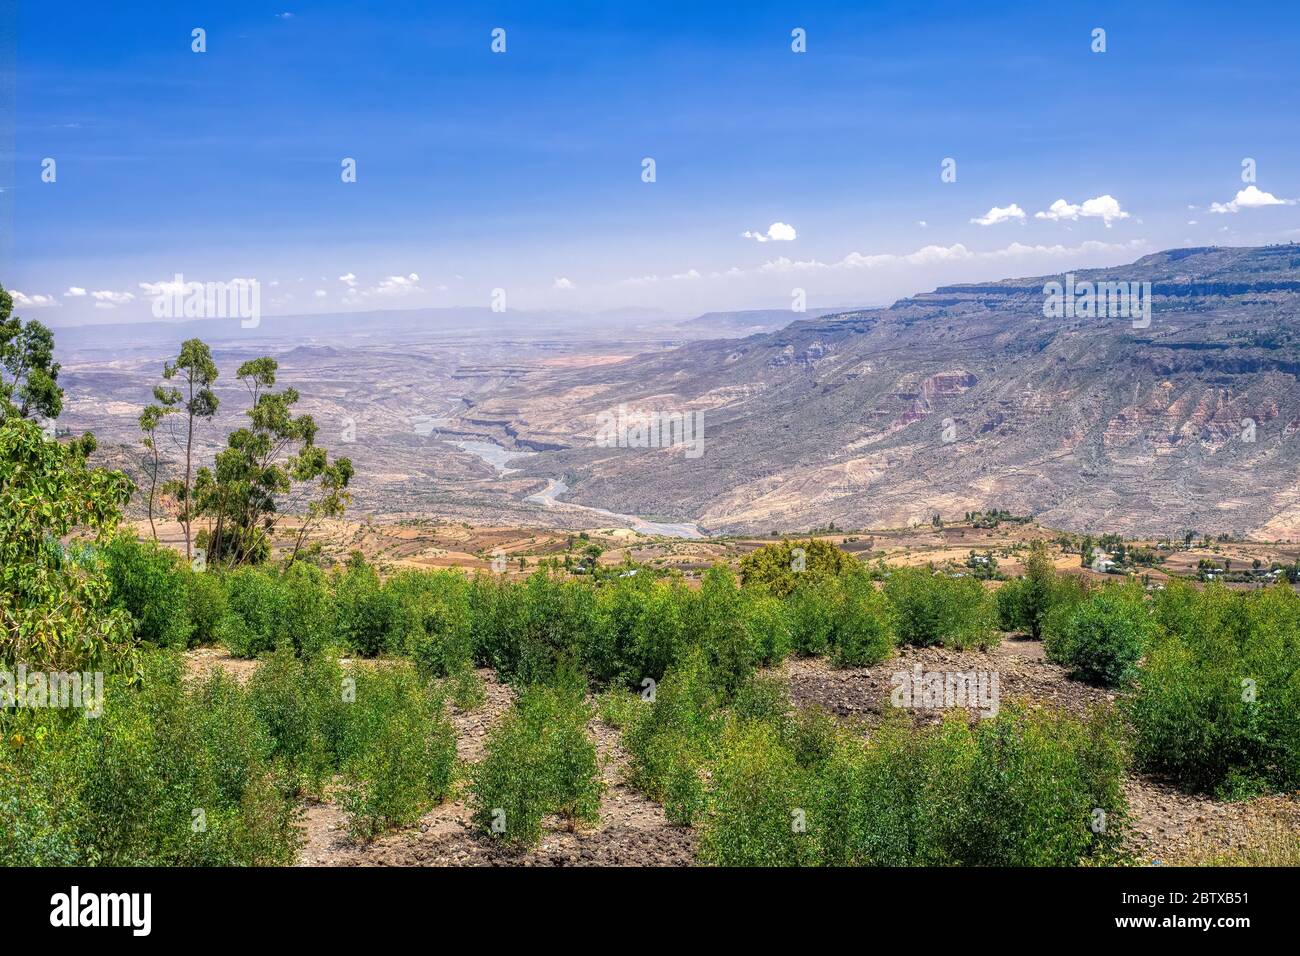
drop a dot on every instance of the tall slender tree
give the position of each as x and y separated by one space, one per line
150 419
196 371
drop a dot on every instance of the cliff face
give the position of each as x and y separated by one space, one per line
965 398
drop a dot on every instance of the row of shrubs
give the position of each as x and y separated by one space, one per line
212 772
772 786
618 631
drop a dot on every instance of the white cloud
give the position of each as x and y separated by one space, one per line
997 214
321 293
398 285
33 301
74 292
777 232
929 255
110 298
350 280
562 283
1106 208
1249 198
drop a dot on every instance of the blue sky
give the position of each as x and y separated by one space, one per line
523 170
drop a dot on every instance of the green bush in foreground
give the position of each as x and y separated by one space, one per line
672 743
1216 706
1105 637
399 750
150 583
169 775
539 761
932 608
1027 788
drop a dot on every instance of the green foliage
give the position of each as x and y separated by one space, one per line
399 750
672 743
168 775
811 607
539 761
28 373
779 568
54 609
1026 788
436 622
620 708
758 799
150 583
300 702
863 625
257 608
205 605
935 609
368 616
1105 636
1217 704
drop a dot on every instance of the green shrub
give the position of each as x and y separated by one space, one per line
769 626
368 617
1217 704
763 697
780 568
1010 600
932 608
539 760
527 632
811 607
863 632
1043 789
620 708
206 603
168 775
301 704
439 637
308 610
679 732
467 690
758 798
1105 637
399 750
150 583
1026 788
255 612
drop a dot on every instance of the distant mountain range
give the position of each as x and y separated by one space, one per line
960 399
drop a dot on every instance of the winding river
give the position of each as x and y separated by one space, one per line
498 456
